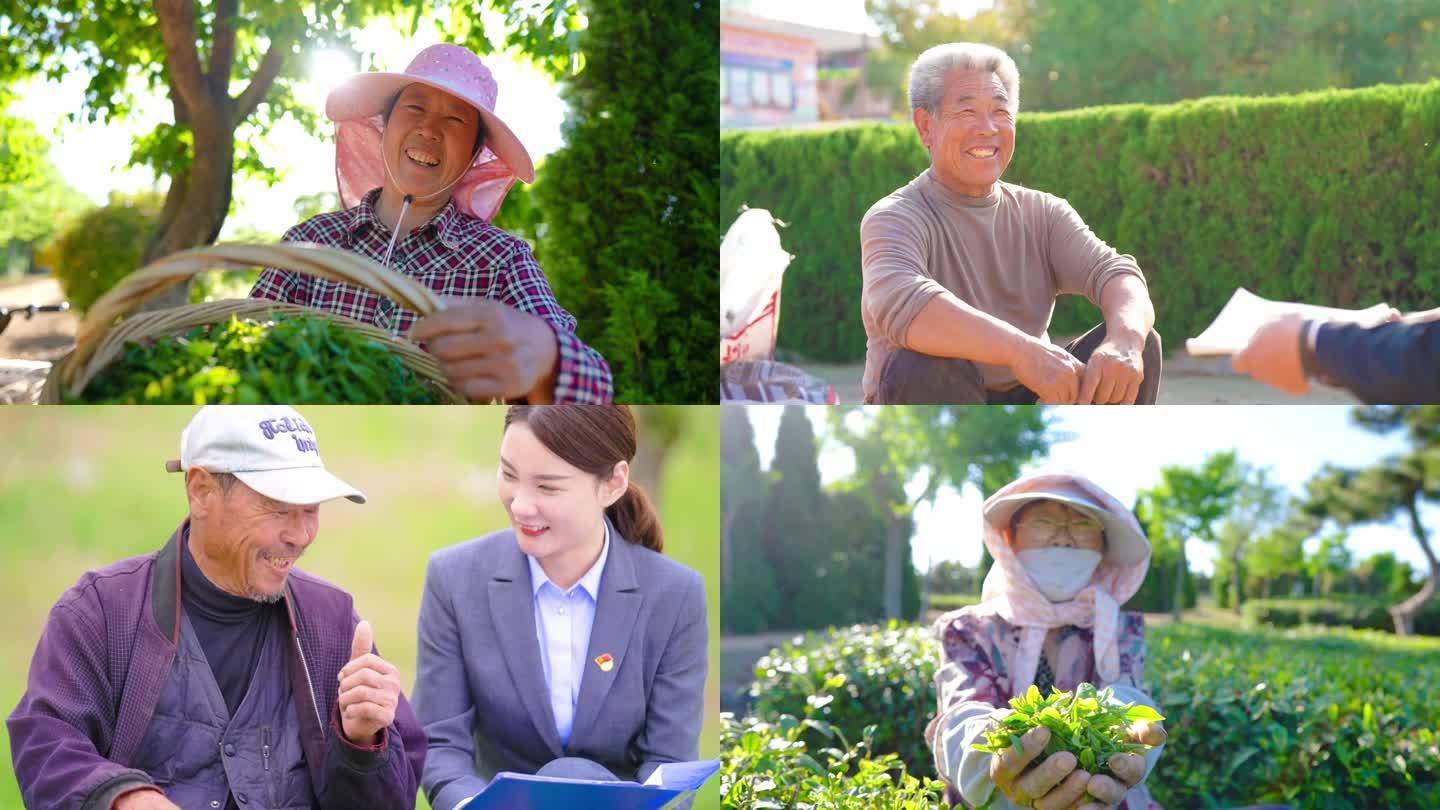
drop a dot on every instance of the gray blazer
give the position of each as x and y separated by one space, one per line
480 688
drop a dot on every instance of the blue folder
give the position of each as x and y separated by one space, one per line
516 791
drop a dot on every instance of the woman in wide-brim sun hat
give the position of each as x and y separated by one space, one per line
1067 556
423 163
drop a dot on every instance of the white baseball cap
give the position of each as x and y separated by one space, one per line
271 448
1125 544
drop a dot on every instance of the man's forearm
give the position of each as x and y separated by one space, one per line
948 327
1129 315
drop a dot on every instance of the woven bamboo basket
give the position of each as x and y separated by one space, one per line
105 330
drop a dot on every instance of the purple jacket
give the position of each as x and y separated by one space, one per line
106 652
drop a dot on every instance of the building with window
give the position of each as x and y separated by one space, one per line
776 74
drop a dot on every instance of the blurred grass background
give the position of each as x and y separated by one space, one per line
81 487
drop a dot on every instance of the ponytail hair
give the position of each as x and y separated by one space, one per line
593 439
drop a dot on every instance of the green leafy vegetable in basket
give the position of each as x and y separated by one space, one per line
289 359
1087 723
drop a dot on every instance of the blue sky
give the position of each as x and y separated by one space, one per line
1123 449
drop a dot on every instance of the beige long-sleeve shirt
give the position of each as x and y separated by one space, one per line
1009 254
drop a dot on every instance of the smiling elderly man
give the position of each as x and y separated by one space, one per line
213 673
961 270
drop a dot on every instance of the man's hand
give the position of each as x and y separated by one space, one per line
144 799
491 351
1126 770
1273 355
1048 370
369 690
1054 784
1114 372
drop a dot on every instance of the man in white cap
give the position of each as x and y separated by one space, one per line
423 164
213 673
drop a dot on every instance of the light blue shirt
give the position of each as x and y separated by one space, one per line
562 626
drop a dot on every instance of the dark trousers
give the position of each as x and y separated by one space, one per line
922 379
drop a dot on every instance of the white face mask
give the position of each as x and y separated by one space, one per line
1058 571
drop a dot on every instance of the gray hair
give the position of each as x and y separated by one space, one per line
927 74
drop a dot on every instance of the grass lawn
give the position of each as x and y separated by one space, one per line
83 486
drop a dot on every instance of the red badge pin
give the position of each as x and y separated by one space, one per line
605 662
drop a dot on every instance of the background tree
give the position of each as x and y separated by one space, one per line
1394 488
630 200
1190 502
741 482
1087 54
1257 507
933 447
35 201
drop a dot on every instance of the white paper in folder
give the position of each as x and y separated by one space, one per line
1246 312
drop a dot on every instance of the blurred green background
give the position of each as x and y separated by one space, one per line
84 486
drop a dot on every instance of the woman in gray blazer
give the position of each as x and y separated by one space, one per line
567 644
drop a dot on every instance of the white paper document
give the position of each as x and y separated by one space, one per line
1246 312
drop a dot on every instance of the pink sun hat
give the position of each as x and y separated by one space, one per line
356 108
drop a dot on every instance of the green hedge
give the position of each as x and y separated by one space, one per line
1361 613
951 601
1330 197
1310 718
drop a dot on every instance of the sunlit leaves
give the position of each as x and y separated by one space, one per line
1088 723
285 360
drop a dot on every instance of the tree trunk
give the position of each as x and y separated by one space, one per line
1235 579
199 197
1179 582
1404 613
925 591
196 205
892 569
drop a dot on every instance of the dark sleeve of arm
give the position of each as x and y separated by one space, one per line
65 718
583 375
383 775
1392 363
282 285
675 707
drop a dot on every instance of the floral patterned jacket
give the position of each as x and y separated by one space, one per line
974 680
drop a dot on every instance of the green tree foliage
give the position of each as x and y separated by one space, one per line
35 201
935 447
1258 508
1085 54
1168 571
104 245
630 200
1189 502
741 488
1324 197
1394 489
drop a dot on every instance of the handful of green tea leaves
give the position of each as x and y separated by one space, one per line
287 359
1086 722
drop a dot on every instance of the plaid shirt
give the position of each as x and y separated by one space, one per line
454 255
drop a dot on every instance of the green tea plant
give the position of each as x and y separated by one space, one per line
1088 723
768 765
1317 718
288 359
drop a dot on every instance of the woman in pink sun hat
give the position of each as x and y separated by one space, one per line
423 163
1067 556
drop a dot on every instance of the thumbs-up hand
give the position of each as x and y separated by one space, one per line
369 690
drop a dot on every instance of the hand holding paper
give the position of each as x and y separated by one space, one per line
1246 313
